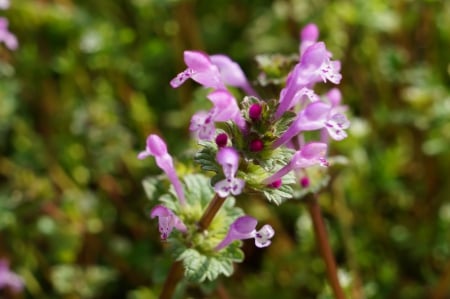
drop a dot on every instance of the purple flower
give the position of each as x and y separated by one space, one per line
315 116
226 108
232 73
200 69
221 140
9 278
228 158
310 154
202 124
167 221
243 228
254 112
157 148
308 36
7 37
315 65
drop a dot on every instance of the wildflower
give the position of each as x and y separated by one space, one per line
228 158
167 221
226 108
7 37
243 228
315 65
256 145
157 147
9 278
200 69
214 71
315 116
310 154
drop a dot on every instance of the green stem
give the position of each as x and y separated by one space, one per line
324 246
176 271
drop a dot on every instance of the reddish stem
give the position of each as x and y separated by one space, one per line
324 246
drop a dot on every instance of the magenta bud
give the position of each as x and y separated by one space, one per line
256 145
221 140
304 182
254 112
275 184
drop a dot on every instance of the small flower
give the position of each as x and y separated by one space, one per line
315 66
202 124
229 186
9 278
200 69
7 37
167 221
157 147
310 154
275 184
315 116
243 228
228 158
226 108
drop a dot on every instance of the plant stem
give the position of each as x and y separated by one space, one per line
324 246
176 271
214 205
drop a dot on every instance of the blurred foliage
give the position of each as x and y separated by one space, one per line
90 81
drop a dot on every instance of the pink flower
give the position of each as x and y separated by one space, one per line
157 148
9 278
310 154
228 158
245 228
315 116
315 66
200 69
167 221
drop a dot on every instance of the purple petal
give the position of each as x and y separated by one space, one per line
334 96
242 228
232 73
310 33
263 236
202 125
156 146
228 158
167 220
197 61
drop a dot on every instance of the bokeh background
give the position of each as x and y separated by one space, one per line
89 81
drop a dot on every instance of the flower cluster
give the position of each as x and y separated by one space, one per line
257 144
8 38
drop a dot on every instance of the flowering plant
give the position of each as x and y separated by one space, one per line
257 145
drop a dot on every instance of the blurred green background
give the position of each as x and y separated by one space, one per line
90 81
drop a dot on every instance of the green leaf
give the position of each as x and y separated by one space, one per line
206 157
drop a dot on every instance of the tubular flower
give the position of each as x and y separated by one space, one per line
310 154
228 158
167 221
315 116
315 66
200 69
157 148
9 278
244 228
